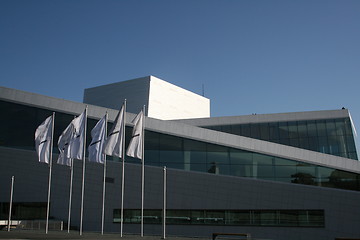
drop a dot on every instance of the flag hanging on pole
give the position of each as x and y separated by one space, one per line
78 150
64 145
135 148
97 143
77 139
43 137
114 141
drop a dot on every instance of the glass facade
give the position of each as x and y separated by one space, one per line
331 136
273 218
18 124
23 210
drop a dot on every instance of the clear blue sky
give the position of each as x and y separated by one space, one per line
256 56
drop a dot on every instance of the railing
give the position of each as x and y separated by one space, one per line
33 224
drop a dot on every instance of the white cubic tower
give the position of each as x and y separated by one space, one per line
163 100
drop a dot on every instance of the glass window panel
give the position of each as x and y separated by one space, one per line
175 165
255 131
264 131
304 143
199 167
152 158
242 170
341 142
350 144
313 144
333 145
283 130
293 130
330 127
311 127
305 175
170 143
265 217
285 171
197 217
302 129
194 151
316 218
178 216
344 154
130 216
25 210
340 127
323 146
245 130
226 128
306 168
216 128
238 218
285 141
262 159
321 128
265 172
223 169
284 162
348 128
343 180
116 216
303 218
323 176
288 218
152 216
152 140
217 154
274 131
294 142
270 217
151 146
240 157
353 155
214 217
236 129
171 150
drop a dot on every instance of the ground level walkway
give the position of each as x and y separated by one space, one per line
33 235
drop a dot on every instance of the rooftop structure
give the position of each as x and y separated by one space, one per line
163 100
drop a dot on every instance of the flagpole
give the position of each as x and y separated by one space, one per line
83 176
164 207
123 172
50 168
70 191
142 175
104 185
11 201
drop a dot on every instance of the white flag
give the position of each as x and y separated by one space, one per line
97 143
64 145
43 138
135 148
114 141
77 139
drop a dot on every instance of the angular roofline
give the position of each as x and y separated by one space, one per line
180 129
264 118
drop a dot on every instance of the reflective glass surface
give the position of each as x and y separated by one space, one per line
23 210
19 122
331 136
274 218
